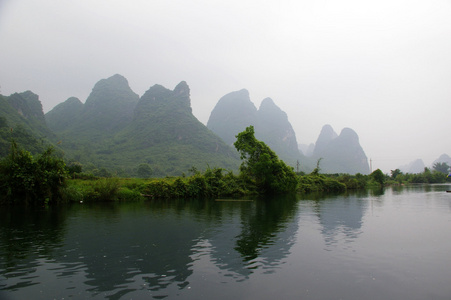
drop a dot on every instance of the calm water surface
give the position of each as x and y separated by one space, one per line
391 244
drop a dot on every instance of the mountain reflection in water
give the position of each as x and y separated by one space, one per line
383 244
112 247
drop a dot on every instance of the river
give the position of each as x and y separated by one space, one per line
387 244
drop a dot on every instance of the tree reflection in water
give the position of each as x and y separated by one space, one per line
116 246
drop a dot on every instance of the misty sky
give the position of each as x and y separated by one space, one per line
382 68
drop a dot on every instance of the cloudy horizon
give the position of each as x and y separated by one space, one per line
381 68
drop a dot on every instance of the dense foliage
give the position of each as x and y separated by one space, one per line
320 183
102 190
27 128
212 183
427 176
378 176
262 167
24 178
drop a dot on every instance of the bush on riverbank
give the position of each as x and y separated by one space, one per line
213 183
102 190
32 180
353 182
427 176
319 183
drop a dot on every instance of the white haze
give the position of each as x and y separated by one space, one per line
382 68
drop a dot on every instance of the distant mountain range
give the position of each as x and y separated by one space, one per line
235 111
117 130
418 165
107 110
444 158
340 153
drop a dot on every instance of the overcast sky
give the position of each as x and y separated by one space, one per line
382 68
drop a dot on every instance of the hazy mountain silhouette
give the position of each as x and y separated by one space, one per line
118 130
307 150
107 110
326 136
231 115
235 111
444 158
272 127
416 166
340 154
115 129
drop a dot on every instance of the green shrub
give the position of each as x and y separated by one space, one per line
213 183
106 189
158 188
24 178
358 181
197 186
319 183
72 193
126 194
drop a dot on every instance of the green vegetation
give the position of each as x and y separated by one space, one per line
144 171
102 190
27 128
320 183
428 176
42 179
116 135
378 176
23 137
261 172
24 178
117 131
217 182
211 184
261 167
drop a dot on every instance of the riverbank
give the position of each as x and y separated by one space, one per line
213 183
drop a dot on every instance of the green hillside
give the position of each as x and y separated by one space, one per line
164 133
22 118
64 116
108 109
117 131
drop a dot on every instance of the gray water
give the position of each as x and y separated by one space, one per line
390 244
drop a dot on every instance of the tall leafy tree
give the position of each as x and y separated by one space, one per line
378 176
262 166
